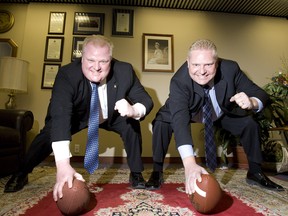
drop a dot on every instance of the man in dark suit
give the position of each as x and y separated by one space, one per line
123 100
233 96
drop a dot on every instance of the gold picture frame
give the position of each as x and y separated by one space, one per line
158 53
8 47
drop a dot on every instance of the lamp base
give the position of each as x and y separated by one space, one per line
10 104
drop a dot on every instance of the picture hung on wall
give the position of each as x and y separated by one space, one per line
8 47
49 74
57 23
157 53
54 48
88 23
122 23
77 47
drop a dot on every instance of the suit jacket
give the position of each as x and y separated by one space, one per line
186 97
68 111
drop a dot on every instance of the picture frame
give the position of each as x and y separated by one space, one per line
54 49
57 23
77 48
8 47
157 53
88 23
122 22
49 74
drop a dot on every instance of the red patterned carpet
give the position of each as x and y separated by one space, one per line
114 197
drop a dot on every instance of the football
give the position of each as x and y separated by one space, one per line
207 194
75 200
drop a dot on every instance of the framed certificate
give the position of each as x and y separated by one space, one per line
54 48
57 23
49 74
122 23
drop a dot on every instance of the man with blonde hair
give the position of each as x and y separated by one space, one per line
123 102
206 79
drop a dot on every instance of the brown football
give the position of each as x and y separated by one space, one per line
75 200
207 194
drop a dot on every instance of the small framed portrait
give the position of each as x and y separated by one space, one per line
88 23
54 48
77 47
122 23
49 74
57 23
158 53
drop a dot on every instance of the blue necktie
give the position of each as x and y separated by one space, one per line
91 156
210 147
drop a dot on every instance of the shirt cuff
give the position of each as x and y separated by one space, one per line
141 109
61 150
185 151
260 104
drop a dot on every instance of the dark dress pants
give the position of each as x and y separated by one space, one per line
245 127
127 128
130 132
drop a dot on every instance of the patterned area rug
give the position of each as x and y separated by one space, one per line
115 197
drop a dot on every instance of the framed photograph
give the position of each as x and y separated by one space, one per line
88 23
54 48
122 23
158 53
77 47
49 74
57 23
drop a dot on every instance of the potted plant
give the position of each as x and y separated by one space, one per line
275 118
275 115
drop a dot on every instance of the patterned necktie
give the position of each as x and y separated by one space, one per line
210 147
91 155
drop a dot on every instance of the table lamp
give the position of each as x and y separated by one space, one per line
13 78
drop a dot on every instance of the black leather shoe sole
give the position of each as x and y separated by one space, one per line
15 183
264 182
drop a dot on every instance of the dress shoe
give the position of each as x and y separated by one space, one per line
136 180
16 183
155 181
263 181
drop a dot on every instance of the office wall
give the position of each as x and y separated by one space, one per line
257 43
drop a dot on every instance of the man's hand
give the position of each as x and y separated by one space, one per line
65 173
125 109
244 101
192 173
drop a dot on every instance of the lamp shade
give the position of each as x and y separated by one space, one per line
13 74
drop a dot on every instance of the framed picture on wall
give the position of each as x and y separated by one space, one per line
157 53
49 74
77 47
122 23
8 47
88 23
54 48
57 23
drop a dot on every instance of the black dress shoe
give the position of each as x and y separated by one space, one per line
262 180
16 183
155 181
136 180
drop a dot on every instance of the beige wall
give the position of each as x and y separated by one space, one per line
257 43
